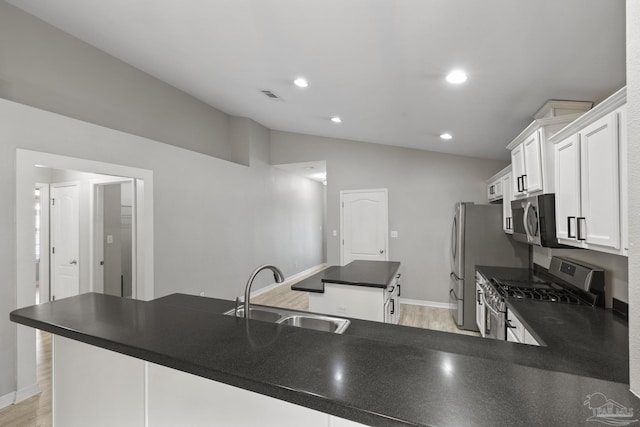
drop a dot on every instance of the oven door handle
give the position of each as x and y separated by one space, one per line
491 309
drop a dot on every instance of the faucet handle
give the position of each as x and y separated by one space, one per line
237 305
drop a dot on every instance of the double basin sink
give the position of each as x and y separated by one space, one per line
300 319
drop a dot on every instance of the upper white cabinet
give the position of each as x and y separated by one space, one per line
495 189
507 192
590 178
531 157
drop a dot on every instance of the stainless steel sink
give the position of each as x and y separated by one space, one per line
259 314
300 319
319 323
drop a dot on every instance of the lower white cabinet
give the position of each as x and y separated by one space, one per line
359 302
516 331
97 387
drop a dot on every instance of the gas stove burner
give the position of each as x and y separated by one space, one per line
536 291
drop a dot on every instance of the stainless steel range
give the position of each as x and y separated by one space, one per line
566 282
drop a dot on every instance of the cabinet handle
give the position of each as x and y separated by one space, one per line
399 289
569 218
518 181
393 306
580 231
509 325
524 180
478 300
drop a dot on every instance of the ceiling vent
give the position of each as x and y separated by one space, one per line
271 95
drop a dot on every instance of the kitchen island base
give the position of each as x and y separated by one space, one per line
98 387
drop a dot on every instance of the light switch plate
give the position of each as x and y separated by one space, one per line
109 238
394 234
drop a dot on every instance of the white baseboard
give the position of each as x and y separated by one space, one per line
7 399
287 280
26 392
425 303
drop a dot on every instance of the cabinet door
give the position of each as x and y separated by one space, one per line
533 163
507 196
479 309
517 164
567 176
600 221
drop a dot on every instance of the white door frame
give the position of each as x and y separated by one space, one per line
26 378
52 234
96 237
45 291
386 218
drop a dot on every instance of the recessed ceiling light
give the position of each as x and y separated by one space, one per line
446 136
336 119
457 77
300 82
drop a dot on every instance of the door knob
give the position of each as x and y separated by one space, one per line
381 251
73 261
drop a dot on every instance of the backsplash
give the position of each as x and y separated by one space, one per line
616 268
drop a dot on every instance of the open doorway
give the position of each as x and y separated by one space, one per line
114 237
30 167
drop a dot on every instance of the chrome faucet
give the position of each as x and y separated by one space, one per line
277 274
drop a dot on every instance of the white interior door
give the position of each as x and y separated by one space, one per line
65 228
364 225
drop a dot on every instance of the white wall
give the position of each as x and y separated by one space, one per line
423 189
633 132
214 220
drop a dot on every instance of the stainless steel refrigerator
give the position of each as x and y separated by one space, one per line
477 238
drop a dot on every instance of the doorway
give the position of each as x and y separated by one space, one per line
114 239
142 225
364 225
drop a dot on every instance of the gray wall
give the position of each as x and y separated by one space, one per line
633 132
214 220
49 69
423 188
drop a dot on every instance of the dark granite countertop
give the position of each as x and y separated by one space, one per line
314 283
376 274
375 373
577 339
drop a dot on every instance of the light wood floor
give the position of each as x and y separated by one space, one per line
36 411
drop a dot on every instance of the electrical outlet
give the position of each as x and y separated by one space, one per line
335 233
202 293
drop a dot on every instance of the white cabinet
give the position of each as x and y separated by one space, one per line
494 190
98 387
516 331
507 197
531 156
526 159
480 317
590 182
360 302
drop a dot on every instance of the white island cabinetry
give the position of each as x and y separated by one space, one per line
98 387
349 293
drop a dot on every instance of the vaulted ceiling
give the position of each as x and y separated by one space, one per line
380 65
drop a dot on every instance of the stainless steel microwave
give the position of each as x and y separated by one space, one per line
534 220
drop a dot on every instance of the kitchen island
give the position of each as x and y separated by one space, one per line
367 290
373 374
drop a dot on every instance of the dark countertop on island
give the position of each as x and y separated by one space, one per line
375 373
376 274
